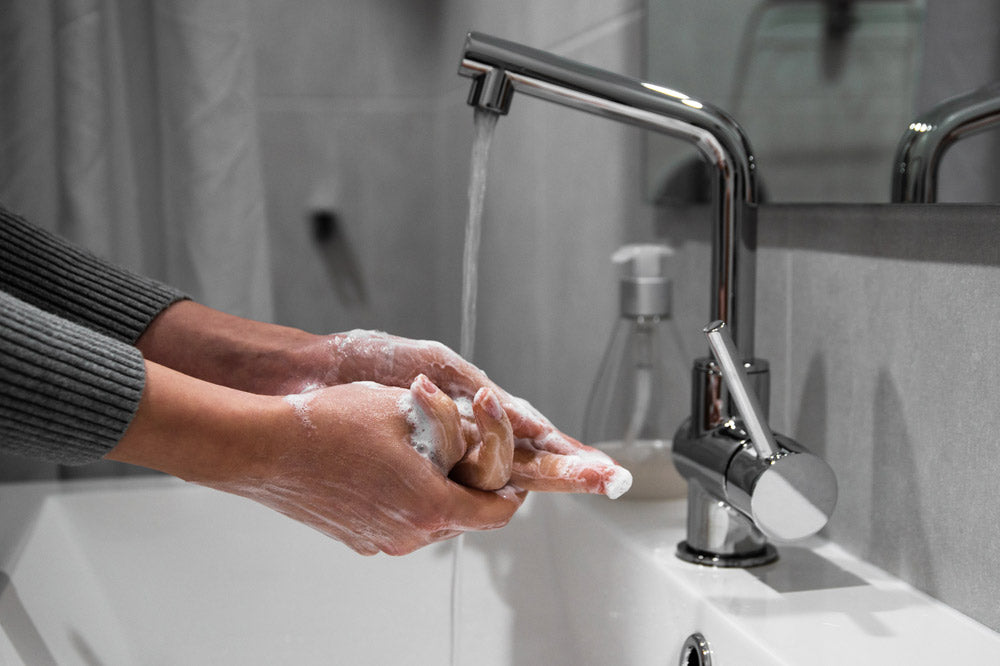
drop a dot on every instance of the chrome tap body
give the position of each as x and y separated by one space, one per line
925 141
724 463
745 483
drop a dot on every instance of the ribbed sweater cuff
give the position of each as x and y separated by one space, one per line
67 393
58 277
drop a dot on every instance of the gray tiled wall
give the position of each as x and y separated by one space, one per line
891 354
346 117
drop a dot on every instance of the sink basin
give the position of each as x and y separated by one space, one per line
154 571
150 570
816 605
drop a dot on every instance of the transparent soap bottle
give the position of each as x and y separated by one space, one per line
641 371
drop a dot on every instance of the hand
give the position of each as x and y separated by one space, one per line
268 359
544 459
362 463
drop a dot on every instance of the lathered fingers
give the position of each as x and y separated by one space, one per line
487 463
585 471
433 416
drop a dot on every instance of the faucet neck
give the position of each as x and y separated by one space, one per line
499 68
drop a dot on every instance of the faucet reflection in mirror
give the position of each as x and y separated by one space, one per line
928 137
711 448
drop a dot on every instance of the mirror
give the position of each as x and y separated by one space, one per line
823 88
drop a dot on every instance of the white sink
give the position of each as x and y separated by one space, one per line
154 571
817 605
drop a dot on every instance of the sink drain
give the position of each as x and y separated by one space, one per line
695 652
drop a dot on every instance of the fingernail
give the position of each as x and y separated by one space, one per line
422 383
486 399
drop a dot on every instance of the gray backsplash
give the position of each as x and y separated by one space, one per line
878 324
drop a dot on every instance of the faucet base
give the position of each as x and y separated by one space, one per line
718 535
765 555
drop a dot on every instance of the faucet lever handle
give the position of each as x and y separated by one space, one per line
788 492
747 402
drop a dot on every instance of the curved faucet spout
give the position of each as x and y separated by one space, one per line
926 139
500 68
739 495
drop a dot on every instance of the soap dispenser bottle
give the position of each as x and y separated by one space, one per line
641 371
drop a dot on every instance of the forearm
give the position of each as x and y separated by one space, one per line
224 349
195 430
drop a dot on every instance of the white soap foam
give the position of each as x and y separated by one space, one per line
464 407
621 479
422 435
358 343
618 484
300 402
377 351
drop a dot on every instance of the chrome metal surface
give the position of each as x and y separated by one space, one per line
719 536
789 497
498 68
740 389
709 403
741 493
696 652
931 134
758 558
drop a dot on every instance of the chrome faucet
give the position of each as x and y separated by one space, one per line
745 483
499 68
928 137
732 484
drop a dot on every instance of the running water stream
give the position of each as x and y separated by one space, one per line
485 123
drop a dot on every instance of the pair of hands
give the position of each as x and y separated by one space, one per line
505 439
384 443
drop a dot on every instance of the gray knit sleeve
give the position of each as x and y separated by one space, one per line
58 277
67 393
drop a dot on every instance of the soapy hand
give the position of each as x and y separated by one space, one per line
274 360
385 486
524 448
363 463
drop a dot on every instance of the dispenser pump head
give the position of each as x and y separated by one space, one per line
644 287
